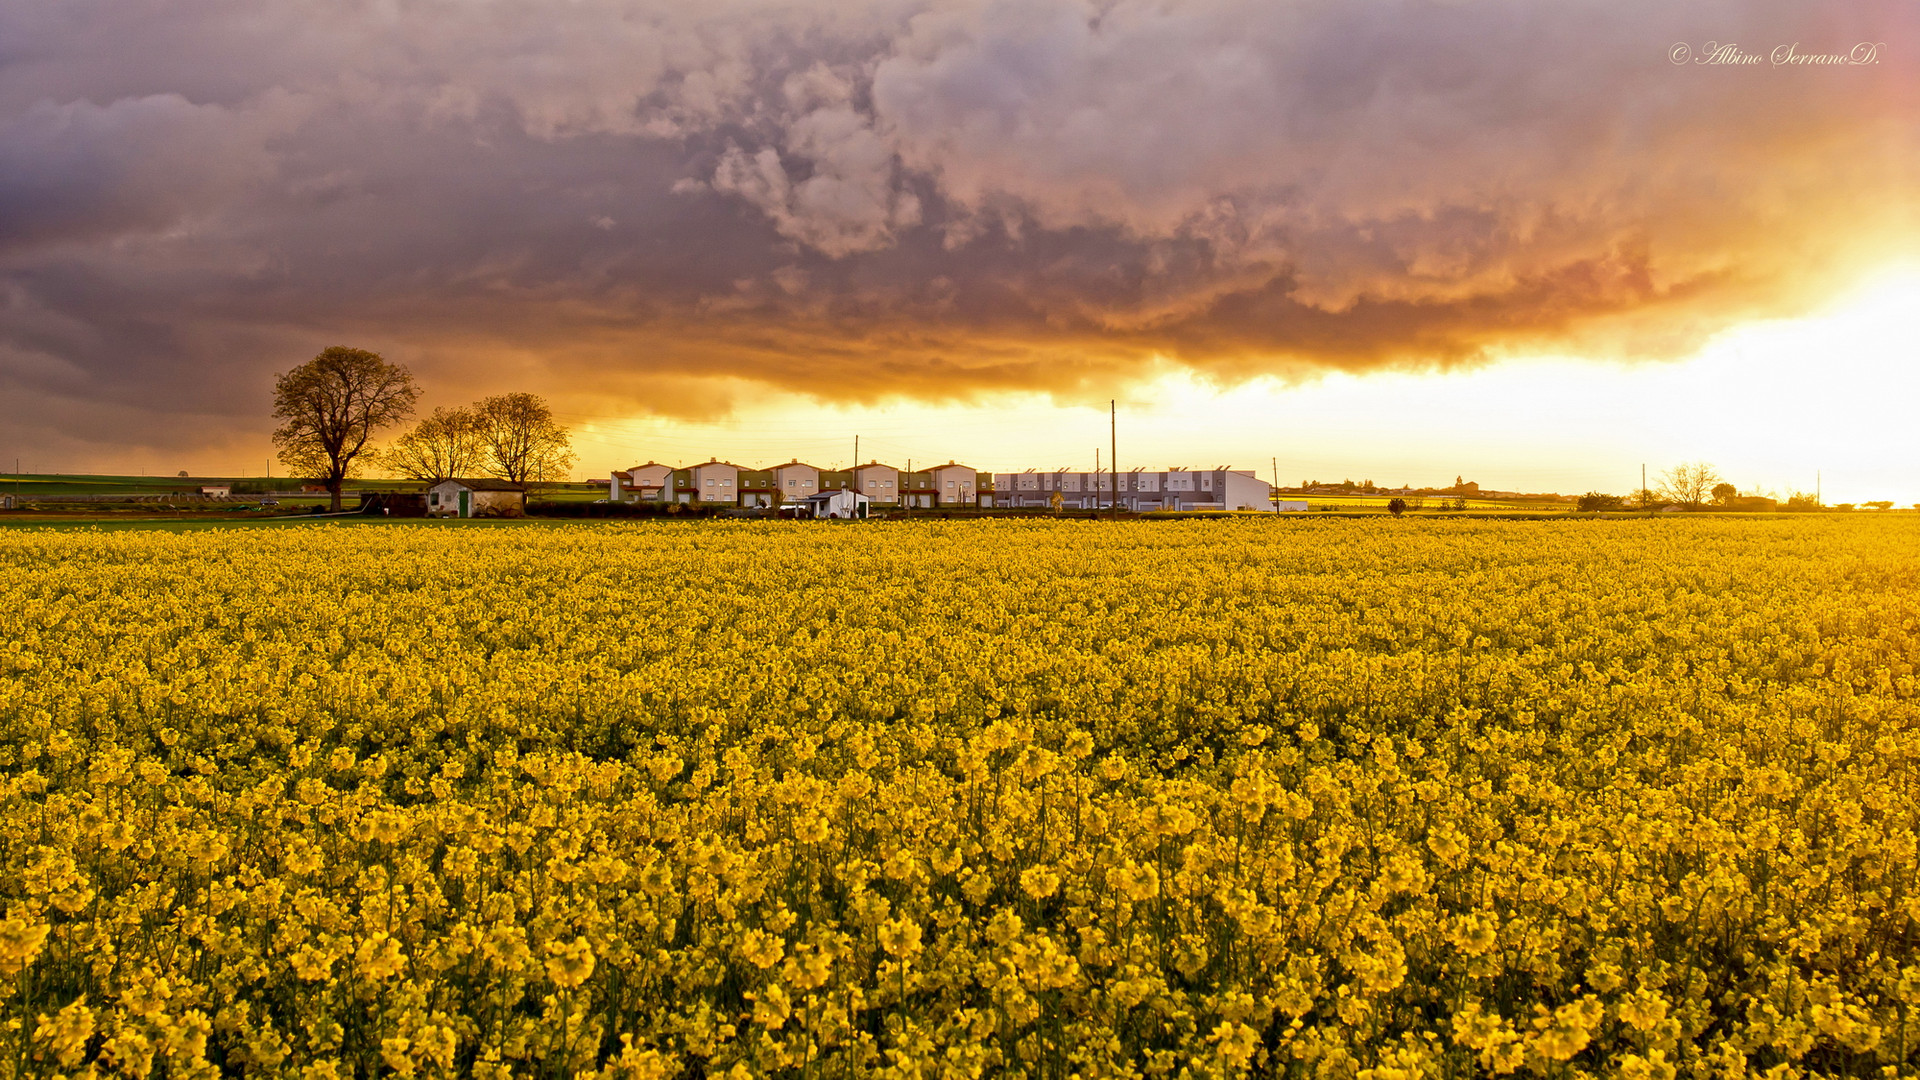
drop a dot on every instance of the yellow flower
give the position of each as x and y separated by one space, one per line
1040 882
20 941
900 937
66 1033
380 957
761 949
569 963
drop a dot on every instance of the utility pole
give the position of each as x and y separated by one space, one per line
1274 498
856 451
1113 431
1643 487
1816 489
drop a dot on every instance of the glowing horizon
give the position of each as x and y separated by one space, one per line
1366 237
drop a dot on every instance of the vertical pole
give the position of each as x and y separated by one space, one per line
1274 496
1643 487
1113 421
1817 501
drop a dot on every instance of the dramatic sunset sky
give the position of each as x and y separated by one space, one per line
1533 243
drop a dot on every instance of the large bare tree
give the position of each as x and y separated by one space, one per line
1689 485
330 407
520 439
443 446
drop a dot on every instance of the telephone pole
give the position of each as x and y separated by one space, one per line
1274 498
1643 487
1113 431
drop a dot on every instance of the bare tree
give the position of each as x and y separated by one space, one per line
331 406
1689 485
520 440
443 446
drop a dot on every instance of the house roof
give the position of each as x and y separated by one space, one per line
487 483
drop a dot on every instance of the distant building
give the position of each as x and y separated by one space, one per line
1140 490
951 485
795 480
955 484
715 482
843 504
476 498
650 482
216 491
878 482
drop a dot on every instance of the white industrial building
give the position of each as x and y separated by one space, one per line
1140 490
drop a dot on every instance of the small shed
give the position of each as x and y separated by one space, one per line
476 498
408 504
216 491
843 503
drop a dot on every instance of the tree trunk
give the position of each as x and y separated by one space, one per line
333 489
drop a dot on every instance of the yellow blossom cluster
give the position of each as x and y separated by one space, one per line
1372 800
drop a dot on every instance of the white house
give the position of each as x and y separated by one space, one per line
796 480
476 498
878 482
954 483
651 482
716 481
840 503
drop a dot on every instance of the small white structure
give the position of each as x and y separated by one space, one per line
1290 506
216 491
476 498
839 503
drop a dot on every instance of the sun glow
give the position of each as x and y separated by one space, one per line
1776 406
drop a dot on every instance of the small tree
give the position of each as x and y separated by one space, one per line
1396 507
1594 501
444 446
1689 485
1724 493
331 406
1056 502
520 440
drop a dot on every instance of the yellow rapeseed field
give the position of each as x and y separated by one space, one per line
1368 799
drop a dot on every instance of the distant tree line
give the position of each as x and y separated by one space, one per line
331 406
1697 486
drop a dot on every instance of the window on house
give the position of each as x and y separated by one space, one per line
709 483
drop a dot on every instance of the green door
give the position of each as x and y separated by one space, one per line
466 508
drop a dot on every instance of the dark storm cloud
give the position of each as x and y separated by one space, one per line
936 197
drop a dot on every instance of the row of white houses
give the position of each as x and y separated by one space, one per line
951 485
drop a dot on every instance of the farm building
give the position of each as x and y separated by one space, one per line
476 498
409 504
840 503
